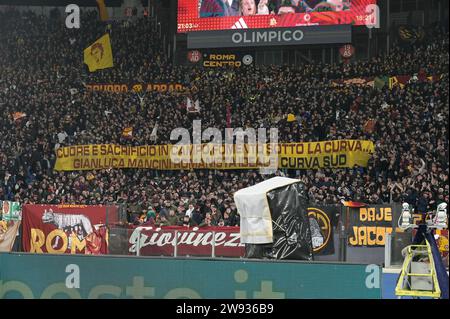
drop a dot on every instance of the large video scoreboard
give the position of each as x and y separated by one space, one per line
206 15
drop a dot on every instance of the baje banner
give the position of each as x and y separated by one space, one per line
135 87
311 155
65 229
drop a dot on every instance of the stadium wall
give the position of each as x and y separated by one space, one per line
83 276
113 12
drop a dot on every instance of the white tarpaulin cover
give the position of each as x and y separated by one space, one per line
253 208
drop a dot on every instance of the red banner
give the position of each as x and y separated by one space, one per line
393 81
70 229
192 241
347 51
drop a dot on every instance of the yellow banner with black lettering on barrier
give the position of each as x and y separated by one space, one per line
309 155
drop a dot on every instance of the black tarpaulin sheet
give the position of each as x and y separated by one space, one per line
291 229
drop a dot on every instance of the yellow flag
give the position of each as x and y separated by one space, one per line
103 12
290 117
99 54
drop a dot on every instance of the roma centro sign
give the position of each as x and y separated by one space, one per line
264 37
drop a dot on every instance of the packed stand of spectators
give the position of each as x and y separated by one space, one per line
43 76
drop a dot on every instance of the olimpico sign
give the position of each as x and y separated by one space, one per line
267 36
264 37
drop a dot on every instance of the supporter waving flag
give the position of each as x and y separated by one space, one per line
99 55
127 132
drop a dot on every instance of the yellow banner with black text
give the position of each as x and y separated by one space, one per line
311 155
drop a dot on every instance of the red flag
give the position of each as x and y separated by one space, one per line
352 204
369 126
127 132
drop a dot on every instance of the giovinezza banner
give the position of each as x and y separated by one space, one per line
189 241
263 37
70 229
310 155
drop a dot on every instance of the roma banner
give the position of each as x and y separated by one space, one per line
65 229
368 226
313 155
193 241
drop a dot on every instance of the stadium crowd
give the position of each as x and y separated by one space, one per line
42 77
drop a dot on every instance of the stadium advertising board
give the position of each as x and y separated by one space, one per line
269 37
311 155
10 211
70 229
203 15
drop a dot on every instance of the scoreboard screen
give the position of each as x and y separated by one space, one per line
205 15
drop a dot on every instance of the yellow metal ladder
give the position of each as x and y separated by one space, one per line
418 276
